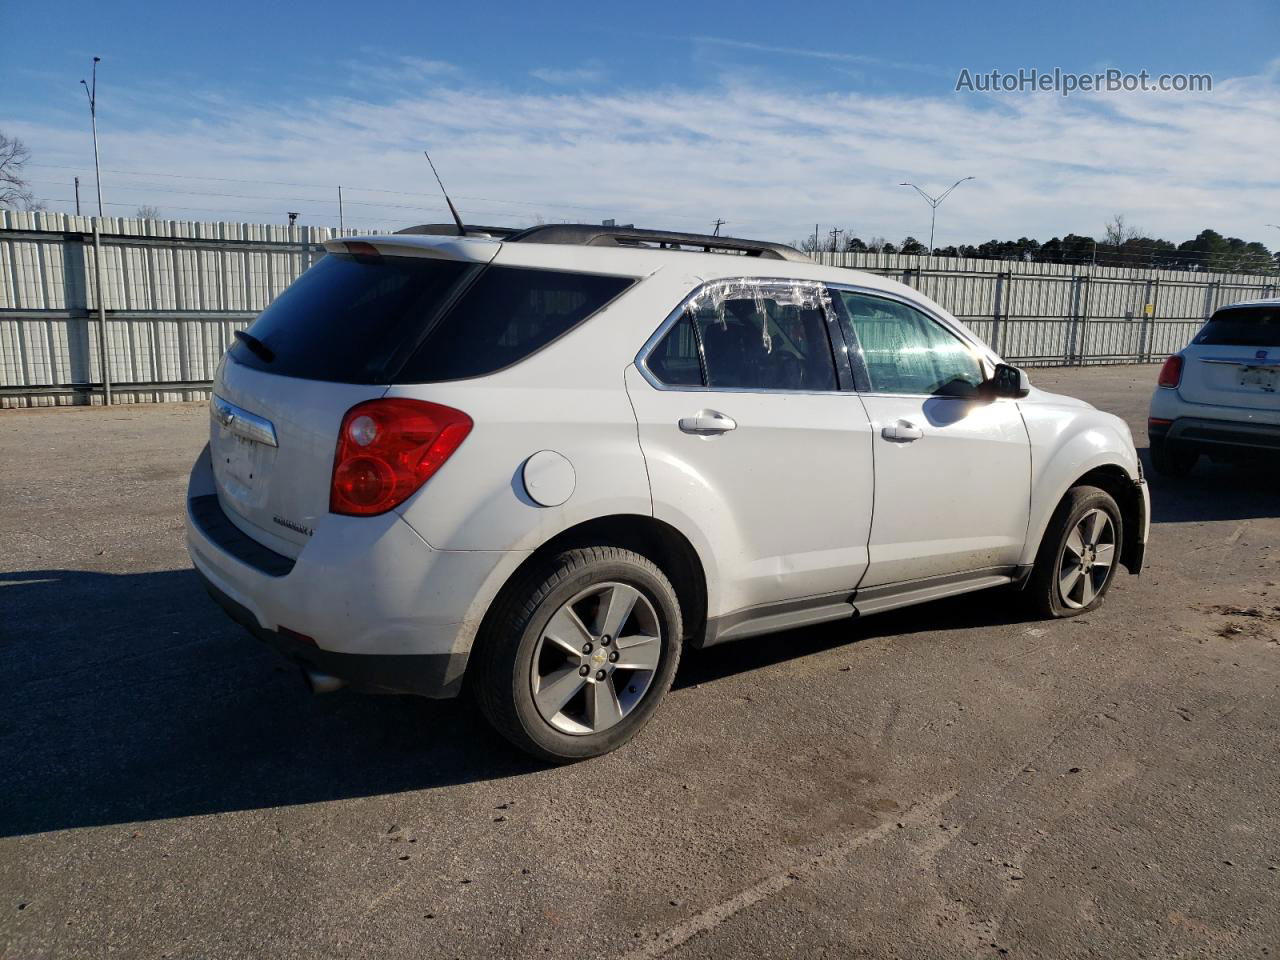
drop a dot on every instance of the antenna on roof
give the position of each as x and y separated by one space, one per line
462 230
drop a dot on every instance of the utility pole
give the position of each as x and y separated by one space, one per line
340 223
933 202
92 93
77 196
835 235
719 224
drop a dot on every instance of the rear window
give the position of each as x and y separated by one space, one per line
508 313
1242 327
345 318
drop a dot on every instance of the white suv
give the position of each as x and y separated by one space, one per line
537 467
1221 394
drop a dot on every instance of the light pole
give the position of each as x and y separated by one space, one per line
99 280
934 202
92 93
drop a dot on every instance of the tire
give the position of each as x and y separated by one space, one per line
1172 462
524 662
1047 591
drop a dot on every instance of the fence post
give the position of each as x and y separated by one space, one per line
1151 324
996 310
104 362
1209 291
1146 321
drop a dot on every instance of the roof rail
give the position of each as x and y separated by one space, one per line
590 235
451 230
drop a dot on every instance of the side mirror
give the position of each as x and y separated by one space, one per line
1007 381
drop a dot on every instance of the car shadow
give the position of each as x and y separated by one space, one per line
1214 491
133 697
984 608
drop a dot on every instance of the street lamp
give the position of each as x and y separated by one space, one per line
934 202
92 93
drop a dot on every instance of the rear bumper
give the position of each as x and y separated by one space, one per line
1210 434
436 675
384 609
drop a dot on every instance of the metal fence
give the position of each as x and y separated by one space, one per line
174 293
1038 314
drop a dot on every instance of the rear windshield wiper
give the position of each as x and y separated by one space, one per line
260 349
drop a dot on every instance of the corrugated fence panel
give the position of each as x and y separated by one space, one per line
176 291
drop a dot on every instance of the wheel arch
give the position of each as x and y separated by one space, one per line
655 539
1116 480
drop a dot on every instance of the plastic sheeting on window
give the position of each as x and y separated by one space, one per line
709 302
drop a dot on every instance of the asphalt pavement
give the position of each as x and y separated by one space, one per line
948 781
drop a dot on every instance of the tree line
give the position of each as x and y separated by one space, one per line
1120 246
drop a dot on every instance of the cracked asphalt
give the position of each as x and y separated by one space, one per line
949 781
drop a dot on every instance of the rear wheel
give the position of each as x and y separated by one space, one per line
1172 461
1078 556
577 653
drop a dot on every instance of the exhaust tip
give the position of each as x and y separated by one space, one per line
322 682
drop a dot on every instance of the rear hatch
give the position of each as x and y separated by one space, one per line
1235 359
327 343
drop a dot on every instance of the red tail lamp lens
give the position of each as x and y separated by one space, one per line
389 448
1171 372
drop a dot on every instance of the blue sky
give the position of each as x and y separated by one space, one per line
771 117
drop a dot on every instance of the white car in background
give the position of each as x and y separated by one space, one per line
538 467
1220 395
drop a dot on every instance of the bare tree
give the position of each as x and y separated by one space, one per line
1117 232
148 212
15 192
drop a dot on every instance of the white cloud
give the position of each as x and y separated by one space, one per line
592 72
816 53
771 162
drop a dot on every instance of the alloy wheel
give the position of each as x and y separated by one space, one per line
1087 559
596 658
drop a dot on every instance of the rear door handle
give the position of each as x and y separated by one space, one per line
902 432
707 423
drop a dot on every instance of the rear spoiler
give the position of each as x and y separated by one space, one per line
465 249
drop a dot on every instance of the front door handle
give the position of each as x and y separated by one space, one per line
707 423
904 431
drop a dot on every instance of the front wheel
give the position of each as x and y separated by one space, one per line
1078 556
578 652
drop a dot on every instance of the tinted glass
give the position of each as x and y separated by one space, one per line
505 316
761 344
1242 327
344 318
674 361
907 352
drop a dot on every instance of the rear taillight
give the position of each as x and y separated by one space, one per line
389 448
1171 372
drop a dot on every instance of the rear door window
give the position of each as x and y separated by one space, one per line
507 314
346 317
1242 327
752 337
